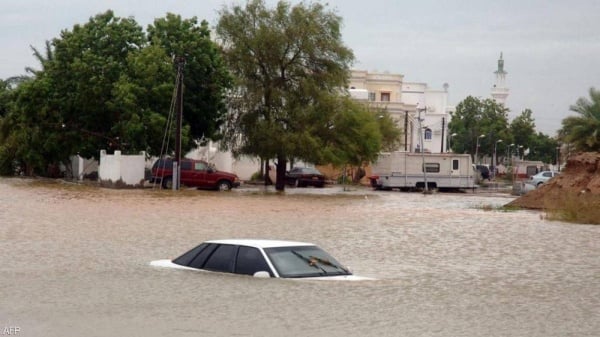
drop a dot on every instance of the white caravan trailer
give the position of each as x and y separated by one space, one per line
404 170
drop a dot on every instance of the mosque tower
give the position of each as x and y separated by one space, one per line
499 90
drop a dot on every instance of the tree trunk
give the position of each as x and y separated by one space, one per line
281 165
267 174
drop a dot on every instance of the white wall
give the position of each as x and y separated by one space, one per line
81 166
129 169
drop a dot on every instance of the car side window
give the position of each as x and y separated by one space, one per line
250 260
185 259
186 165
200 259
222 259
547 174
199 166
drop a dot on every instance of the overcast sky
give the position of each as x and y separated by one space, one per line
551 47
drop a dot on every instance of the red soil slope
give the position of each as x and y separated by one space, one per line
581 176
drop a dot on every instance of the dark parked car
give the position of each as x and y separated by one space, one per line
304 176
484 171
194 173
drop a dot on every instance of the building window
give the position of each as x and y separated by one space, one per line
385 96
372 96
428 134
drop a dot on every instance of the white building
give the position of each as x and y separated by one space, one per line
499 90
407 102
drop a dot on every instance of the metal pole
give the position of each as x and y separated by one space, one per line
443 134
179 108
426 191
406 131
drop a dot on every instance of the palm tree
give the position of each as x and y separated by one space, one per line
43 59
583 131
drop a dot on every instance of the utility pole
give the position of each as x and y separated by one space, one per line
443 125
179 109
406 131
426 191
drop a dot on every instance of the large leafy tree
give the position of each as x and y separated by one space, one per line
290 63
477 121
206 78
583 131
103 85
391 134
522 129
543 148
88 61
6 107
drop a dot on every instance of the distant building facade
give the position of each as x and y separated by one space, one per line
407 102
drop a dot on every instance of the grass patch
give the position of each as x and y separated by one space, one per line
489 208
582 208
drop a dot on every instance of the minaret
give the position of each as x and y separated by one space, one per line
499 90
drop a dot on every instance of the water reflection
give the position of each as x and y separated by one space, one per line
75 262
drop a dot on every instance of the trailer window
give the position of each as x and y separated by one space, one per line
455 164
432 167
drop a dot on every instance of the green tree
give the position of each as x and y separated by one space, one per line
142 95
6 107
206 78
103 85
542 147
88 61
390 132
522 129
5 97
44 60
290 63
477 121
583 131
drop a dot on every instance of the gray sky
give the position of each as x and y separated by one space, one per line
551 47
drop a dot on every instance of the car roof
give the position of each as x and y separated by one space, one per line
260 243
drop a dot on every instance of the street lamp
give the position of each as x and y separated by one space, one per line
450 141
520 151
495 159
509 154
477 148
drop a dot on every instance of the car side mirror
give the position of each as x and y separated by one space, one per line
262 274
210 170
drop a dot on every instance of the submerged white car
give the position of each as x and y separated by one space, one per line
262 258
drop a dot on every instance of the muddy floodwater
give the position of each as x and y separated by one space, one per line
75 262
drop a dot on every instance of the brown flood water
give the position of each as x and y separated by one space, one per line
74 262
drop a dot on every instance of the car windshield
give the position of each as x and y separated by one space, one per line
307 170
304 261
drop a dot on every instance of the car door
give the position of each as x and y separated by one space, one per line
222 259
186 173
250 260
200 175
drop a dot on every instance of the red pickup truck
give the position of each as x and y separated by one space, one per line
194 173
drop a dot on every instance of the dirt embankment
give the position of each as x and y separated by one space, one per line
581 176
